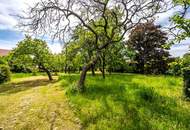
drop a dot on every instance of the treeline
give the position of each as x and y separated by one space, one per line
145 52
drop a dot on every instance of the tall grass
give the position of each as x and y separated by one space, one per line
129 102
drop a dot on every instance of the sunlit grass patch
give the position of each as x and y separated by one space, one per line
35 103
130 101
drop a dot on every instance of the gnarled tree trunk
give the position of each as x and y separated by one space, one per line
81 85
47 72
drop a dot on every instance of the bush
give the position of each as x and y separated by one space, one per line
2 61
175 68
5 73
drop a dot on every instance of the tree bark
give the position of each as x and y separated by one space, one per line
65 69
103 68
81 82
93 70
81 85
47 72
49 75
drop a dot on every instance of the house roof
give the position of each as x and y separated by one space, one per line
4 52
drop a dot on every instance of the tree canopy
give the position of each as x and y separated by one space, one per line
56 17
148 41
35 53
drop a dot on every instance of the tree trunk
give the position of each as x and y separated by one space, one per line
110 71
93 71
41 66
69 70
81 82
103 67
103 72
81 85
65 69
49 75
140 67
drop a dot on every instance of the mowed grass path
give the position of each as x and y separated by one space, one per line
130 102
34 103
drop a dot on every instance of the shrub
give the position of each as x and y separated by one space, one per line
175 68
4 73
2 61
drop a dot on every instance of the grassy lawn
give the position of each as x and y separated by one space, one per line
34 103
130 102
24 75
120 102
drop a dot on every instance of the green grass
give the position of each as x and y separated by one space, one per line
120 102
130 102
24 75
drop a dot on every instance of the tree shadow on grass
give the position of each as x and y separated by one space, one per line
10 88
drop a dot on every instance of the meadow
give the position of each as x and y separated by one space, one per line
95 65
119 102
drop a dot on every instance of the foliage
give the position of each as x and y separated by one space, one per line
74 56
2 61
5 73
175 67
108 21
116 56
148 42
186 60
81 49
58 62
181 20
33 53
20 64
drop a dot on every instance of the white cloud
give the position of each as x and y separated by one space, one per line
55 48
163 18
8 21
178 50
10 8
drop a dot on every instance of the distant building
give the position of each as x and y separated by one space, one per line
4 52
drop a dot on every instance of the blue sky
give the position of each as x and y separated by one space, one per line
9 35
